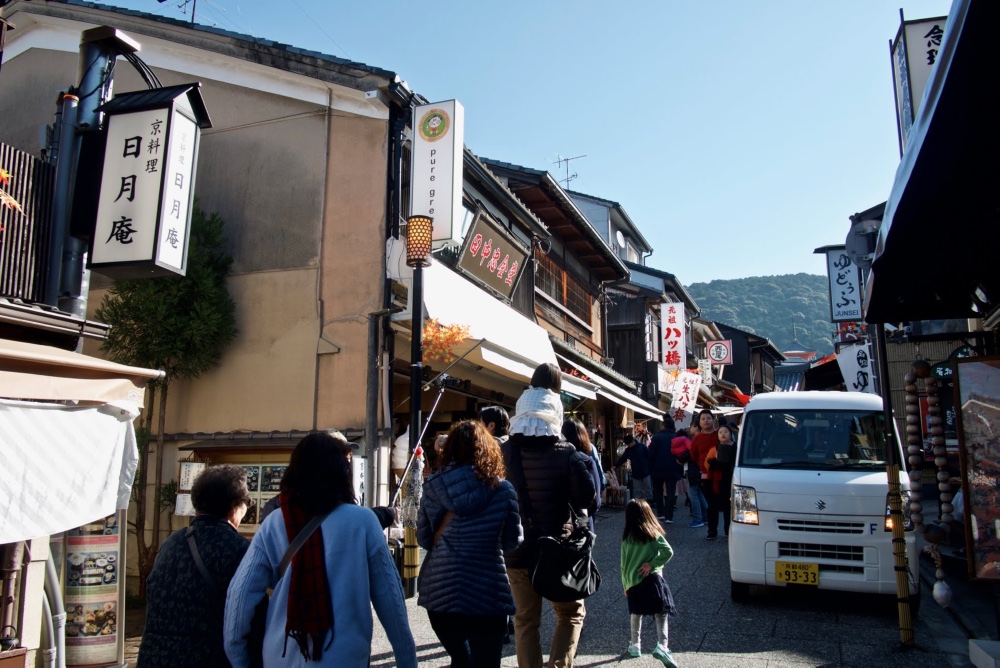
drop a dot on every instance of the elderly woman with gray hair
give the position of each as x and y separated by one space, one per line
186 590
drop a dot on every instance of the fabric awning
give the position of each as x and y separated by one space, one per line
500 338
940 230
614 393
44 373
64 465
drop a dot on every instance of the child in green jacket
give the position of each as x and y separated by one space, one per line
644 552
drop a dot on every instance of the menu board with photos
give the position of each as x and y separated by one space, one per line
92 562
263 483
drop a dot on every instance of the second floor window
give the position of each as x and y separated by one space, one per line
565 290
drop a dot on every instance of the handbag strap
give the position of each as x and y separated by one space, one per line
199 562
308 530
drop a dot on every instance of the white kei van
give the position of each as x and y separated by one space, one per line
810 496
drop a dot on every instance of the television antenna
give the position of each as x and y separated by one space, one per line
560 161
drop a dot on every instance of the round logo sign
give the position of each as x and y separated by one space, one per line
434 124
718 352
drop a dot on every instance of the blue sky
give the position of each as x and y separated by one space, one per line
737 135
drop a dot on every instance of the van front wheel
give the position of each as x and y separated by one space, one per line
739 591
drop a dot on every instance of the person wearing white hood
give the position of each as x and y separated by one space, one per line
554 476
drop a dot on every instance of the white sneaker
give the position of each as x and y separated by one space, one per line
633 650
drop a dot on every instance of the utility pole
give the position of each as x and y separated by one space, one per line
68 278
560 161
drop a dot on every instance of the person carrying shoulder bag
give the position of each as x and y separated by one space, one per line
320 611
558 483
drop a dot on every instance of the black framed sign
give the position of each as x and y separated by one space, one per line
977 393
492 256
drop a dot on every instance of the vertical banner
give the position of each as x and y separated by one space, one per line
674 355
846 297
685 397
914 53
436 168
856 367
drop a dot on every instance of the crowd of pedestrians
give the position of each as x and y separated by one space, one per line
303 590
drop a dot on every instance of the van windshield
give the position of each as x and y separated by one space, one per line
813 439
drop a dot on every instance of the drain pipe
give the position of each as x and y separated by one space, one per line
48 635
54 596
13 554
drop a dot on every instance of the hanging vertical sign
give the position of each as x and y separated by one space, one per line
844 277
674 355
914 53
684 398
147 183
436 167
857 367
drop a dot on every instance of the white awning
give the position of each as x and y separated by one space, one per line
64 465
500 338
616 394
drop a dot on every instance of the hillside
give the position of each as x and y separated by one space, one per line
769 306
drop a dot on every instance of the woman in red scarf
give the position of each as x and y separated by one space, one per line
704 448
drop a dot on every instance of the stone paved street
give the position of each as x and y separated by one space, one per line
777 629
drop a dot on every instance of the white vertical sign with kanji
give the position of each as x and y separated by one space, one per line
674 355
684 398
857 368
845 287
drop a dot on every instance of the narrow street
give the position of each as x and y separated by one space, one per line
777 629
791 629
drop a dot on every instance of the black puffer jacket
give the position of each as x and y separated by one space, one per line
556 476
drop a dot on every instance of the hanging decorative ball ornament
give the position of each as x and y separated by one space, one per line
936 533
914 450
942 593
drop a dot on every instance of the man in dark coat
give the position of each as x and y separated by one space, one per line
637 454
665 471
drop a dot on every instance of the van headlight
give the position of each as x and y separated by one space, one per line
744 504
907 519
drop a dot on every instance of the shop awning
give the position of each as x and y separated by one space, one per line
64 465
614 393
44 373
500 338
940 231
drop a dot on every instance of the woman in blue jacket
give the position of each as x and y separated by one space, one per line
468 518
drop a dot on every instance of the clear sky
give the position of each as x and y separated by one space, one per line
738 135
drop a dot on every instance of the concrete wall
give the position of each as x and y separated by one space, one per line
306 240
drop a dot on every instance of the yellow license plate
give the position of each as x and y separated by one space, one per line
793 572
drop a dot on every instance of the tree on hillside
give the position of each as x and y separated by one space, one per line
180 325
793 311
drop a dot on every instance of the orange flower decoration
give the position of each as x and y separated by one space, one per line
440 340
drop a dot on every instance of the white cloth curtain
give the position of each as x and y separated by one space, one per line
63 466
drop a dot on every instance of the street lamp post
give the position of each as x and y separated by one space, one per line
418 250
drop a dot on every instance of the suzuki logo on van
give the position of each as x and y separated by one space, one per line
821 504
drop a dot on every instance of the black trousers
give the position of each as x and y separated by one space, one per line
471 641
718 503
664 504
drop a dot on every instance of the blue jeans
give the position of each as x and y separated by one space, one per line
642 488
699 504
